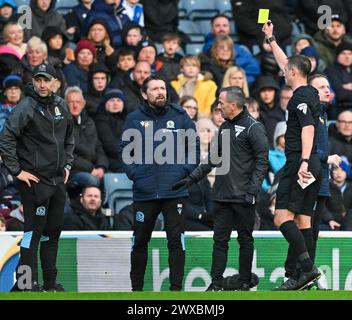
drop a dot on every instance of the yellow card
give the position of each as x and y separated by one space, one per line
263 15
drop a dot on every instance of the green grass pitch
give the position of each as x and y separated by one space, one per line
253 295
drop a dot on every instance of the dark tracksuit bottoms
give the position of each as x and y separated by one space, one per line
43 207
146 213
228 215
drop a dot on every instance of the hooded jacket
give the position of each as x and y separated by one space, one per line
41 20
114 18
154 181
38 137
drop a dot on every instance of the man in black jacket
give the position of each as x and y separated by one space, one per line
36 145
235 191
86 214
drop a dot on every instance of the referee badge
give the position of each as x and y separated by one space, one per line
140 216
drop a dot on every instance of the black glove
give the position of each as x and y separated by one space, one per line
182 184
249 199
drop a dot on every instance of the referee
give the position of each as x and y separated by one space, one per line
235 191
295 204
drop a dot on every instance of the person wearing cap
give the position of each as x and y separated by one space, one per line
109 121
12 93
147 51
340 76
90 161
98 82
337 214
267 94
36 146
328 39
76 73
43 15
153 178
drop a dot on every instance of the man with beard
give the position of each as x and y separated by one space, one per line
36 146
155 155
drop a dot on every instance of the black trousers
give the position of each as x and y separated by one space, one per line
43 207
291 260
228 215
146 213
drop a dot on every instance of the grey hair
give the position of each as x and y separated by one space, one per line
74 89
235 94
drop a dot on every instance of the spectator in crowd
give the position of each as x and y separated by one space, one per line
277 156
75 19
192 83
235 76
190 104
56 41
308 13
268 64
147 51
338 213
216 115
220 25
14 38
132 34
2 223
37 53
16 219
8 13
313 56
43 15
328 39
245 14
152 191
90 161
340 76
86 214
112 12
124 62
76 73
161 17
100 35
134 11
12 93
253 108
341 135
98 82
133 83
169 60
267 93
109 121
286 93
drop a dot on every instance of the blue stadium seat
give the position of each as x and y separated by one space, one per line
197 37
191 5
22 2
65 6
187 26
194 48
223 6
118 191
203 24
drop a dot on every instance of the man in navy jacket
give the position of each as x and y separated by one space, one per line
159 147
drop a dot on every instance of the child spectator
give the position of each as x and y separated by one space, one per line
134 10
124 62
253 108
192 83
132 34
216 115
169 60
190 105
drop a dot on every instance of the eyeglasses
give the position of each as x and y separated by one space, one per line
344 122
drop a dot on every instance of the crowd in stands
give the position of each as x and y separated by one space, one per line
102 51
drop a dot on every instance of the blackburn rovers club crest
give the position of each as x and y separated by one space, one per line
170 125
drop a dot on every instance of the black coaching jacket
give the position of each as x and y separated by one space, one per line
38 138
247 155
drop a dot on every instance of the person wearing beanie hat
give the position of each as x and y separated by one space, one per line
147 51
76 73
109 121
12 91
340 76
313 56
98 82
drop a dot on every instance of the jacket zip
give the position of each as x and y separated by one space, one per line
57 146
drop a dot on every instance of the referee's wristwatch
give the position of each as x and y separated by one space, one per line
270 39
303 160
